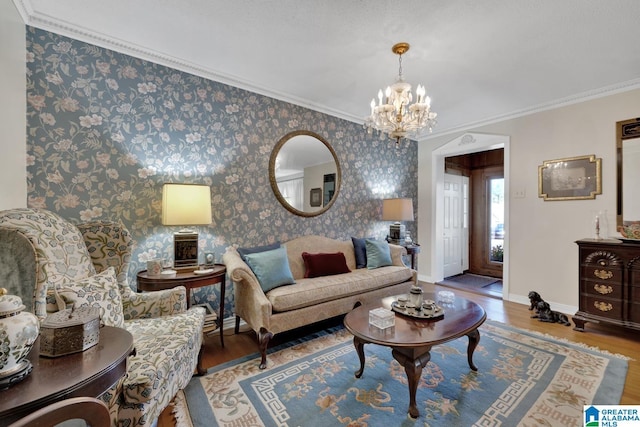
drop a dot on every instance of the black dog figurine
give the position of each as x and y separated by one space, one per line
534 298
545 314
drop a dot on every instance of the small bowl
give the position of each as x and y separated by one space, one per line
168 273
446 297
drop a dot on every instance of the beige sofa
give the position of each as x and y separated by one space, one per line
310 300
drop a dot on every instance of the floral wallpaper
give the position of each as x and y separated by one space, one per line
106 130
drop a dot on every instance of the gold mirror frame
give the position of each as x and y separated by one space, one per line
274 184
625 130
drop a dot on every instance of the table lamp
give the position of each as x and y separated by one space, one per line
185 205
397 210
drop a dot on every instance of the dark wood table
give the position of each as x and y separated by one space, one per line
413 250
411 339
87 373
189 280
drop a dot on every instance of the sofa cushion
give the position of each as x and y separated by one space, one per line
271 268
317 265
164 359
360 251
378 253
257 249
100 291
308 292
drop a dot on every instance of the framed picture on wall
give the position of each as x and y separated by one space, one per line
572 178
315 197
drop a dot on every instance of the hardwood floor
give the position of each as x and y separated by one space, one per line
612 339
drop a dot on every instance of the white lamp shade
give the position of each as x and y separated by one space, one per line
397 210
186 204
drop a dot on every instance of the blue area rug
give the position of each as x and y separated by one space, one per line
523 379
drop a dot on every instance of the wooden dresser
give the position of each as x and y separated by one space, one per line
609 283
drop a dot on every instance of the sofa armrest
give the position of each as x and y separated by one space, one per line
147 305
251 304
397 252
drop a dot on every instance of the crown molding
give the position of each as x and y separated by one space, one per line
48 23
67 29
551 105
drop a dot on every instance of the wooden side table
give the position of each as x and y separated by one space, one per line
190 280
412 250
87 373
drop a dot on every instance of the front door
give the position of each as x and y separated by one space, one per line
455 232
487 228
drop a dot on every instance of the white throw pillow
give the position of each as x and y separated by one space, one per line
100 291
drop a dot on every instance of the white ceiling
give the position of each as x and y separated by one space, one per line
481 60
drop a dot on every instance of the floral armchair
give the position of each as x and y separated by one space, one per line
88 264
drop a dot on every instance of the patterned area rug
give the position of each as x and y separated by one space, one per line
523 379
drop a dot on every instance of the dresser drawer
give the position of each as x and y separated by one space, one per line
601 288
604 274
601 306
634 276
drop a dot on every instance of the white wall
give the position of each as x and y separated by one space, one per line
13 108
542 252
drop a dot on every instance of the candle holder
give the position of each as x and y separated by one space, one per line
600 225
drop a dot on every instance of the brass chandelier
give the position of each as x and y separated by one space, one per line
394 114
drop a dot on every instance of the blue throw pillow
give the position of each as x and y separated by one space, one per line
254 250
271 268
360 252
378 253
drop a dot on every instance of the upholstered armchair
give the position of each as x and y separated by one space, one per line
88 264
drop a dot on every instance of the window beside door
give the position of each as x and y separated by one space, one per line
496 218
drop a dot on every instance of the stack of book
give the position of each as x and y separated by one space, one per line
210 319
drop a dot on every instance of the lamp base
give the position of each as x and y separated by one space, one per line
397 231
185 249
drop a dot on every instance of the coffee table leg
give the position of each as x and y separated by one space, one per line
474 339
413 369
359 345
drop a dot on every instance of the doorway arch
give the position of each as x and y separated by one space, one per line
465 144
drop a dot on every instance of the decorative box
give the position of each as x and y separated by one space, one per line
69 331
382 318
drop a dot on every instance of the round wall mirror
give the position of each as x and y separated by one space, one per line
304 173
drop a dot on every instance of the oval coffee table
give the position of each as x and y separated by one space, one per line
411 339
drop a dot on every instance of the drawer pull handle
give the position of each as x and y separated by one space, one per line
603 274
603 289
602 306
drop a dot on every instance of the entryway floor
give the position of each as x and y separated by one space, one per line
483 285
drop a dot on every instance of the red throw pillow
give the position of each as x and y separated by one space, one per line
317 265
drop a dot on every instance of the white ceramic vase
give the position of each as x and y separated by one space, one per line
18 331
